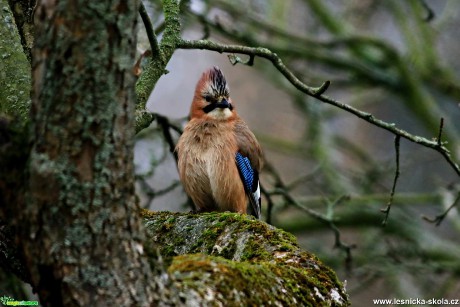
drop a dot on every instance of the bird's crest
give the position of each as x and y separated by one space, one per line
214 83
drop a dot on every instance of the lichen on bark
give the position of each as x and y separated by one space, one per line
156 65
81 208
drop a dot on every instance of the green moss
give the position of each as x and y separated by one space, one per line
241 251
154 69
156 66
171 35
220 281
212 226
15 73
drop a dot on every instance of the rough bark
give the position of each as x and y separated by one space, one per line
81 238
14 153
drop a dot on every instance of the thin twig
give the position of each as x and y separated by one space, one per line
345 247
206 27
441 125
149 29
322 89
151 194
313 91
290 200
430 14
386 211
280 189
303 179
160 28
234 59
165 125
364 199
338 243
439 218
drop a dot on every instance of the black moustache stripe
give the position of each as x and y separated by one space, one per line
212 106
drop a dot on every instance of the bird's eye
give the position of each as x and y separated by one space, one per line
207 98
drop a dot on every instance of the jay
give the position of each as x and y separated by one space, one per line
219 158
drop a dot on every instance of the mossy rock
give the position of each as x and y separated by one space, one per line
228 259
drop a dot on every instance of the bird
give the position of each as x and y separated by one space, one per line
219 158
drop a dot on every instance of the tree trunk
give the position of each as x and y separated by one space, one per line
82 238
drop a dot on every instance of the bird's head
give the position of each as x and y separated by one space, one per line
212 97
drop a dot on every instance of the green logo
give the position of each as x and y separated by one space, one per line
4 299
9 301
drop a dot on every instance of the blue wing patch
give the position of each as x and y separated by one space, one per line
250 179
246 171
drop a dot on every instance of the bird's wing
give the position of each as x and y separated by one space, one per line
249 162
248 145
250 178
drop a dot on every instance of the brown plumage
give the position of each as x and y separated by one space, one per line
207 149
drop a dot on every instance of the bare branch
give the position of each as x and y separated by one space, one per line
430 14
251 51
166 126
437 220
281 189
388 208
345 247
328 220
151 193
313 91
441 125
303 179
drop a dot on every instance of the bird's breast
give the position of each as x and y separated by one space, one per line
207 149
207 167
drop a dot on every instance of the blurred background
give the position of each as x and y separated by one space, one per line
395 59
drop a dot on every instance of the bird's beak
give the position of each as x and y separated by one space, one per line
223 104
